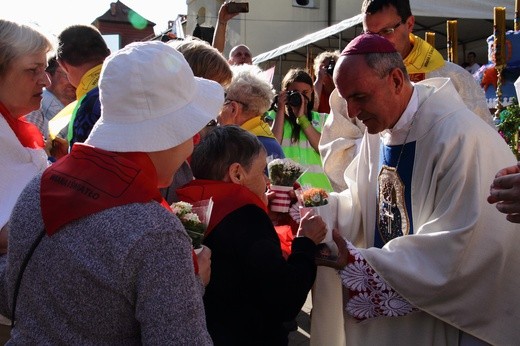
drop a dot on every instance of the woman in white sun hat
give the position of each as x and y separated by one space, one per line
114 265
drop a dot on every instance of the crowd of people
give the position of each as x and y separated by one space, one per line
98 145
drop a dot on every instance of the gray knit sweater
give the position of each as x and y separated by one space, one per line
121 276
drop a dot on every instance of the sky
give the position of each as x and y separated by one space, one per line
54 15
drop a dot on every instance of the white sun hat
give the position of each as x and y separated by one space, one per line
150 100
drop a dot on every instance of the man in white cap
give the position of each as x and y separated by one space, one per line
429 262
112 264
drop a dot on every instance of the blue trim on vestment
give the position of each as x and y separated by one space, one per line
405 171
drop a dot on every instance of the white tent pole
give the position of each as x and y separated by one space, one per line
280 73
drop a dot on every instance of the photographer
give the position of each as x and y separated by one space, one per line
323 85
297 127
239 54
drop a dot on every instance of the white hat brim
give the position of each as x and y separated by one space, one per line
163 132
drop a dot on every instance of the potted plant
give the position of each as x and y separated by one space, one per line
283 173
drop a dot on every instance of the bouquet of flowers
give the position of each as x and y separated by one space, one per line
508 125
283 173
316 199
195 218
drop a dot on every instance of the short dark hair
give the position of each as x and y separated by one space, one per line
81 44
374 6
222 147
52 65
472 53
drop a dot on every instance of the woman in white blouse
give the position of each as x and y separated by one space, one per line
23 59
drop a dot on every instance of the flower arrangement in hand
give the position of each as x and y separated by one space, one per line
195 218
283 173
314 197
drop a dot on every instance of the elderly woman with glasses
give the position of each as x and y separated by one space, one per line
248 97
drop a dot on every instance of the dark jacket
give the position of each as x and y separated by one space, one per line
87 114
253 289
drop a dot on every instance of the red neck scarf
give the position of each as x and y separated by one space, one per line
227 197
28 134
89 180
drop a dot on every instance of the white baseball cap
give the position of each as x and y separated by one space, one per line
150 100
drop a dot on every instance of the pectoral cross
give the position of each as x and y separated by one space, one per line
387 212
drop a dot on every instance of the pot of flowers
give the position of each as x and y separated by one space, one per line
283 173
316 200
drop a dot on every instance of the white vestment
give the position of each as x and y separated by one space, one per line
18 165
460 268
340 136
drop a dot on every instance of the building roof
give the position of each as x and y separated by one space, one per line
119 12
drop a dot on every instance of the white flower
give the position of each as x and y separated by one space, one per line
284 171
276 162
181 208
191 217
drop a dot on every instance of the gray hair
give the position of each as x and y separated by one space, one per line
250 89
17 40
384 63
222 147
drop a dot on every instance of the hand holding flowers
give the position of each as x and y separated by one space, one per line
316 199
195 218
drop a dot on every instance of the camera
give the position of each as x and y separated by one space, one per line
294 98
330 66
238 7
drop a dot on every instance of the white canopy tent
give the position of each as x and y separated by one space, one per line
478 9
309 39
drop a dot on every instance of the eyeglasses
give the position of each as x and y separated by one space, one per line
386 31
212 122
